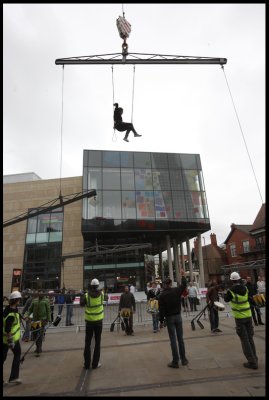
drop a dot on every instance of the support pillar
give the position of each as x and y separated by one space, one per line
182 256
169 258
176 260
189 259
201 262
161 265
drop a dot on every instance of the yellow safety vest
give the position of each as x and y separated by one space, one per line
94 310
15 328
240 306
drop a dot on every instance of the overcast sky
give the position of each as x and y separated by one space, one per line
177 108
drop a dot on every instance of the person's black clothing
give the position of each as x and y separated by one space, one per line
170 300
92 327
252 291
237 289
127 300
123 126
153 294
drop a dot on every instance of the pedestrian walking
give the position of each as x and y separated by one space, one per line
192 296
41 316
261 286
153 305
212 295
12 334
237 295
127 309
93 301
69 298
51 303
60 300
252 291
170 310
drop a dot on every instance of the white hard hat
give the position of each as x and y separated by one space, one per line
235 276
15 295
95 282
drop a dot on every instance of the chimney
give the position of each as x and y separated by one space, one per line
213 239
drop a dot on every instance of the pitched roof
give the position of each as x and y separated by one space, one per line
259 222
243 228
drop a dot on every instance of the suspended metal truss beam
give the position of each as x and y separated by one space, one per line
61 202
246 265
139 58
98 250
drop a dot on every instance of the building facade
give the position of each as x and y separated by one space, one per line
143 199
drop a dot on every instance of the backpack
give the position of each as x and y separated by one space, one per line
153 306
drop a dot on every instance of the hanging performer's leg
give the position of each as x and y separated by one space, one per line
128 127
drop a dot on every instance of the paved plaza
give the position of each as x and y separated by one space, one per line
137 365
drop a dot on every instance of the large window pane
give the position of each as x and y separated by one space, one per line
191 179
31 225
174 161
94 158
159 160
142 160
188 161
161 179
111 178
143 179
93 208
94 178
111 159
179 205
128 205
127 159
127 179
176 179
145 205
163 205
112 204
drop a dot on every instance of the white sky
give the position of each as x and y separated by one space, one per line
177 108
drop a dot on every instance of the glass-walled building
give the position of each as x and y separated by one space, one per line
141 198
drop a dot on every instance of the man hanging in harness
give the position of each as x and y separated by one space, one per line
123 126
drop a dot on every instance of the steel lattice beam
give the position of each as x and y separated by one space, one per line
139 58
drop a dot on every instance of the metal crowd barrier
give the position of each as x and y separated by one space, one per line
140 317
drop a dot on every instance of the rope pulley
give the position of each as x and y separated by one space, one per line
124 28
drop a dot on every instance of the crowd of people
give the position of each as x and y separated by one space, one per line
164 303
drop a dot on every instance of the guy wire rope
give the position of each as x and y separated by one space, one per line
133 94
60 195
114 136
242 134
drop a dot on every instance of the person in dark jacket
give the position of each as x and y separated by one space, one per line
127 309
27 334
69 298
237 295
123 126
152 297
252 291
212 295
170 310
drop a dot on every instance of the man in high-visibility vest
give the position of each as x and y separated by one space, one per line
94 315
237 295
12 334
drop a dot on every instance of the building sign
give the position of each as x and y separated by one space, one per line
16 279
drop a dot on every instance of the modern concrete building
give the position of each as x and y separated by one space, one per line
146 203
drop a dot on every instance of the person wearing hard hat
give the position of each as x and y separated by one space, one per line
12 334
93 301
237 295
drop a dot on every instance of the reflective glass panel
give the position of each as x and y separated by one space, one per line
145 205
128 205
159 160
55 236
163 205
142 160
174 161
179 205
143 179
176 179
94 158
94 178
112 204
111 159
127 159
188 161
93 206
127 179
111 178
191 179
161 179
31 225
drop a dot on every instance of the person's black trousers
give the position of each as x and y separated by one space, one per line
15 368
96 329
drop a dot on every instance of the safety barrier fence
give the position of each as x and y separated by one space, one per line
140 317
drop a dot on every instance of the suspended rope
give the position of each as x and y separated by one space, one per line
60 195
242 134
114 136
133 94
